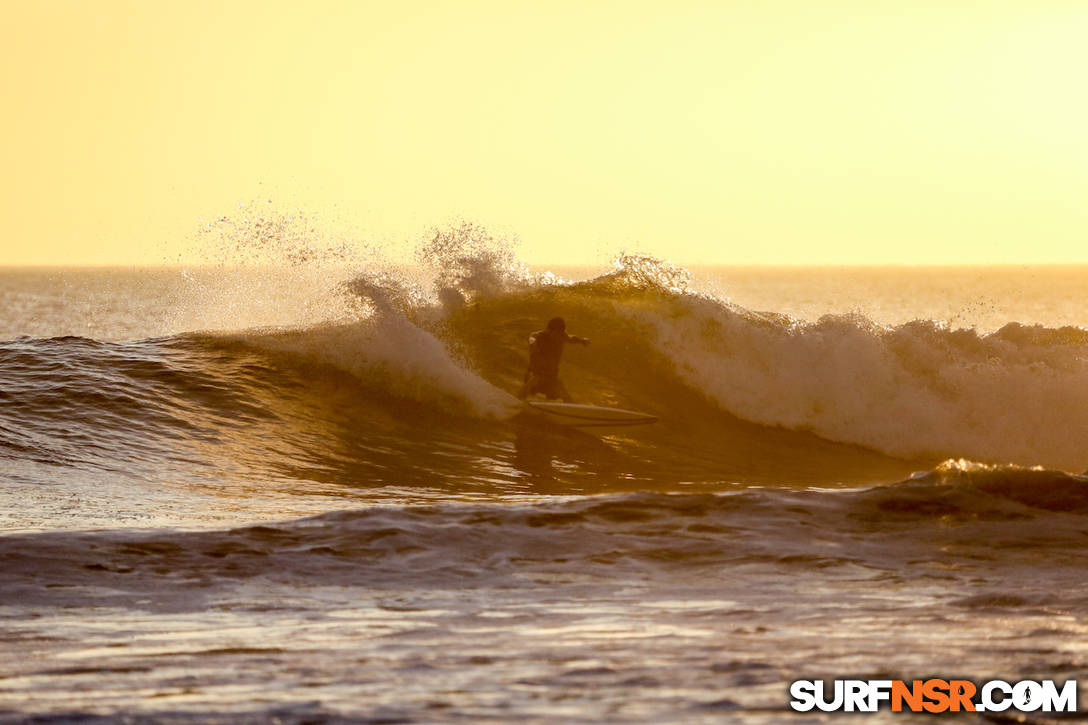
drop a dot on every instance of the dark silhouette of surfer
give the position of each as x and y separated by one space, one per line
545 350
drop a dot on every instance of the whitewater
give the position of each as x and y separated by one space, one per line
304 490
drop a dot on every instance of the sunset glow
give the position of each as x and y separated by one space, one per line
740 132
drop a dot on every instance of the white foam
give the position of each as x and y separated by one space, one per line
406 360
1018 395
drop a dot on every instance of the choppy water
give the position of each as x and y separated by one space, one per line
309 495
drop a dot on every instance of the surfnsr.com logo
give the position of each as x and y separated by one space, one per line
933 695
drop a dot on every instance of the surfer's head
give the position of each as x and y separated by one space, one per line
557 324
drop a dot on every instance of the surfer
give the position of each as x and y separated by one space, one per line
545 349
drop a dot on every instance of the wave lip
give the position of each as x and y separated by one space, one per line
967 489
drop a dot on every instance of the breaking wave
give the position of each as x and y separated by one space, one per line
411 380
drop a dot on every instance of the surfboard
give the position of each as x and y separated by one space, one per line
576 415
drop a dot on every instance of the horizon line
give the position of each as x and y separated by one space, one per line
680 263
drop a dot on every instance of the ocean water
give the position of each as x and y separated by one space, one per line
304 492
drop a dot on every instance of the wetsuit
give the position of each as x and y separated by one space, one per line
545 350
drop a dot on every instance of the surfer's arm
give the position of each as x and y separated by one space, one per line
579 340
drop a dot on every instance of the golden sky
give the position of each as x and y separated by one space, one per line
762 131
